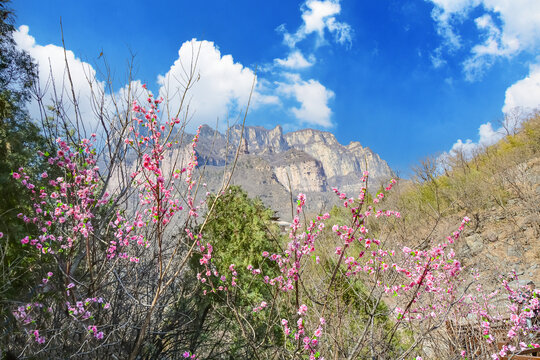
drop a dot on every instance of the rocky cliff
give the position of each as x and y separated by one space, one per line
272 162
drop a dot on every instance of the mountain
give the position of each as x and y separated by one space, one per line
271 162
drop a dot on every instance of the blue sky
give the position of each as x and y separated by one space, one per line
408 78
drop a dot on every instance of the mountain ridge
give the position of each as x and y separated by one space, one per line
272 163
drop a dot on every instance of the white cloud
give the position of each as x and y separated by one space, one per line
525 93
466 148
455 6
221 90
486 136
125 96
517 29
489 136
507 28
263 94
318 16
54 82
495 44
223 87
521 100
437 59
313 98
446 14
295 60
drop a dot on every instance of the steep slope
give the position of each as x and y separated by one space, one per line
499 189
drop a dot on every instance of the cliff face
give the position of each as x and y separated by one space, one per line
308 160
343 165
300 170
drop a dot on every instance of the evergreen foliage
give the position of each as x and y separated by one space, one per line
240 229
19 140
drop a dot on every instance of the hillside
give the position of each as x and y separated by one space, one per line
498 188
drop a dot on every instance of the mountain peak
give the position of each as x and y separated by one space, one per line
272 162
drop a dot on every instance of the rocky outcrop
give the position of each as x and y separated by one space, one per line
300 170
262 141
342 164
272 163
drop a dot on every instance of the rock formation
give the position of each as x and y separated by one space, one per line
271 162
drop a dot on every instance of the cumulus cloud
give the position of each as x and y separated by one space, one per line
517 29
525 93
219 86
223 86
313 98
486 136
295 60
54 81
318 17
506 29
521 100
124 97
220 89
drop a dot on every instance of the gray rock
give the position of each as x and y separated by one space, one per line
309 161
514 251
475 244
492 237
